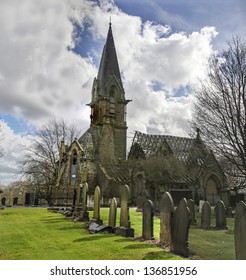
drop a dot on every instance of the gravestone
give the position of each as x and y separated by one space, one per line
125 226
240 230
201 202
84 211
147 220
191 206
239 212
220 215
206 215
77 209
112 213
166 218
96 211
180 230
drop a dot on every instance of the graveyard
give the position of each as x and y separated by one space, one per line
35 233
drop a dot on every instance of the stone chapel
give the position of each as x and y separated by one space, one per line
156 163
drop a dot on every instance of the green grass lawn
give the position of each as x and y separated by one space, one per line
37 234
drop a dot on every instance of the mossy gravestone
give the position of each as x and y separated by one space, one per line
112 213
240 230
166 218
96 211
180 230
220 215
125 226
206 215
147 220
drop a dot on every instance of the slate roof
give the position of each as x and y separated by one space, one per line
183 148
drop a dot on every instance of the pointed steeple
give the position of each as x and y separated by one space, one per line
109 66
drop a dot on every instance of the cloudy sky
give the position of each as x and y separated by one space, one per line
50 51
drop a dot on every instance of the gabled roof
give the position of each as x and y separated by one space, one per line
183 148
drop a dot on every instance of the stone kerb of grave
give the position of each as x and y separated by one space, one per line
166 218
125 225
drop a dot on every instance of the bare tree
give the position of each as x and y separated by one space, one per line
220 108
40 165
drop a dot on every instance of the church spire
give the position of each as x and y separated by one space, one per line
109 66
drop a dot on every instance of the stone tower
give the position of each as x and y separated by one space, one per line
108 107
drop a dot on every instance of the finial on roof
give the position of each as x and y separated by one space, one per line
198 133
110 23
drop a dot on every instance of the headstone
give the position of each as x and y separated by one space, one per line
239 212
125 226
191 206
206 216
112 213
220 215
201 202
84 211
148 220
166 218
239 231
180 231
96 211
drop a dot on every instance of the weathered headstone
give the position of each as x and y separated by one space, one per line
84 211
96 211
191 206
112 213
239 231
147 220
180 231
201 202
166 218
125 226
206 215
220 215
239 212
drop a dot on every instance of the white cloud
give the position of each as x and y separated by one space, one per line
12 145
40 76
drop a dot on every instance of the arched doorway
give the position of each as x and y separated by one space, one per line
212 189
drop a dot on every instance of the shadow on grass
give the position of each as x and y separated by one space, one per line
50 221
156 256
138 246
92 237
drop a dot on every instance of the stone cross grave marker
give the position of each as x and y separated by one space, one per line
112 213
180 231
166 218
147 220
220 215
125 226
206 215
96 211
239 231
191 206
